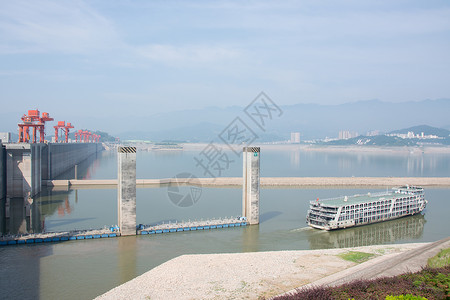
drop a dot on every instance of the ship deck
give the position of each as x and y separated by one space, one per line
356 199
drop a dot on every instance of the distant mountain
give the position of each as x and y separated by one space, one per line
192 133
384 140
318 121
427 130
313 121
379 140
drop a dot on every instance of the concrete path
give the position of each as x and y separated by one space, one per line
266 182
385 266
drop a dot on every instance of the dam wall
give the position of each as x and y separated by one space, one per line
27 165
60 158
2 171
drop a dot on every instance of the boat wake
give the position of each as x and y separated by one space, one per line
301 229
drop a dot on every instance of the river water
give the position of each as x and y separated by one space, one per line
85 269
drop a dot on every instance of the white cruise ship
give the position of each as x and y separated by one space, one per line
344 212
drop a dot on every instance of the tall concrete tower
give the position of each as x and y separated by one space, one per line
250 184
127 190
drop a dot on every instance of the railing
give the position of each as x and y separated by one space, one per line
352 197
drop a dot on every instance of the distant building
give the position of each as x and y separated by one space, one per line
373 133
345 134
5 137
295 137
412 135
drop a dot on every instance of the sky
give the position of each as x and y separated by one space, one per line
84 60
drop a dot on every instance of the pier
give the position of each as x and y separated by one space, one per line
265 182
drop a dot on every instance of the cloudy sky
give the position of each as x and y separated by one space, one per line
83 59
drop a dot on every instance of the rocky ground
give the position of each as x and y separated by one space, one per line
242 275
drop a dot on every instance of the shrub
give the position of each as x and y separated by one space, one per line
405 297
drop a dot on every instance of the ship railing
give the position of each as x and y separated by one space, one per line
349 197
325 214
321 216
325 209
317 219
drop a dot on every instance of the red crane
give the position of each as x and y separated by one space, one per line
65 128
85 136
35 121
78 135
59 126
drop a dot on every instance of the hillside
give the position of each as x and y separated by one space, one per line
427 130
384 140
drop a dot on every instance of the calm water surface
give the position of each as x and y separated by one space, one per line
85 269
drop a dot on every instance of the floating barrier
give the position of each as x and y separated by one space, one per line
191 226
114 231
54 237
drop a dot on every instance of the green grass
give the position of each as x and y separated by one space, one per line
356 256
442 259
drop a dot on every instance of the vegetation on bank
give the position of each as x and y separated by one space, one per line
430 283
442 259
356 256
104 136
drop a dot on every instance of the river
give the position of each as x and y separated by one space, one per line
85 269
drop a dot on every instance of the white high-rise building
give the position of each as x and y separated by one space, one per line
295 137
5 137
346 134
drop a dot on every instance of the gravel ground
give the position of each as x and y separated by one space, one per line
241 275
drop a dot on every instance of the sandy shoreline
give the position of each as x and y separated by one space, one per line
242 275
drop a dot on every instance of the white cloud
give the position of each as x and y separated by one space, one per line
187 53
54 27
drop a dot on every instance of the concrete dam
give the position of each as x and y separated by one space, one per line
26 166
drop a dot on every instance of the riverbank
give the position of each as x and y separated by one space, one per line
244 275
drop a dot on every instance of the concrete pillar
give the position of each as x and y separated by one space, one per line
127 190
250 184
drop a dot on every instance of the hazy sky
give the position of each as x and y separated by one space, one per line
101 57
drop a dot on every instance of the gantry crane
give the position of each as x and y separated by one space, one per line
63 127
35 121
85 136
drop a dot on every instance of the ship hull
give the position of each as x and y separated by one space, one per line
359 210
328 228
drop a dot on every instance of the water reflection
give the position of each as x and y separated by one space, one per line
22 215
295 158
407 228
127 247
250 238
19 215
